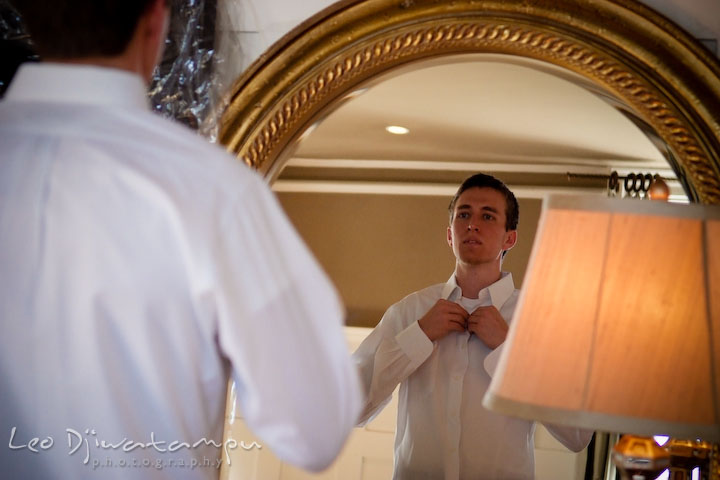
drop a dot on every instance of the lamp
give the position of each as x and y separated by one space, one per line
617 327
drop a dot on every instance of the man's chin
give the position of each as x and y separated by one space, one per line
477 261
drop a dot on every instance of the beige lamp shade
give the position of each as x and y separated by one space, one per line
618 323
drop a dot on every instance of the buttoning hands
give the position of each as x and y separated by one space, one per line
488 325
446 316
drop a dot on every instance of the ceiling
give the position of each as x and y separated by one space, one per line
372 205
525 121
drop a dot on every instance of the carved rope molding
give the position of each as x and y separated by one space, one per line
474 37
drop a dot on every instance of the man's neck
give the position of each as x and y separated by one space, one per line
473 278
120 62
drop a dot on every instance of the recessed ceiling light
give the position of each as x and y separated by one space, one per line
397 130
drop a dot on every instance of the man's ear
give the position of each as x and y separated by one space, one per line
449 236
158 13
510 240
154 23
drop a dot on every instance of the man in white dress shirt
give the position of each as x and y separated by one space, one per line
140 266
441 345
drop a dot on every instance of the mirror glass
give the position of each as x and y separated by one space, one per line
372 205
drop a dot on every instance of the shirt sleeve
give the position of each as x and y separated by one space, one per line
491 361
387 357
573 438
280 323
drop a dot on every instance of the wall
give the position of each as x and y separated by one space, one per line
246 28
379 248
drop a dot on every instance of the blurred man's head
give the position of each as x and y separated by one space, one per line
91 31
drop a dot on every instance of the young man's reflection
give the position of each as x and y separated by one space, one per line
441 345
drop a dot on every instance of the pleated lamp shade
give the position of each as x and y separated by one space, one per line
618 323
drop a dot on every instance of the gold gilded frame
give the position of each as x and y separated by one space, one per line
626 49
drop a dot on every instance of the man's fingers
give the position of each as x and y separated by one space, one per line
458 327
458 312
452 307
458 321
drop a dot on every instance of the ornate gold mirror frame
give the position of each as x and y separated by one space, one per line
647 63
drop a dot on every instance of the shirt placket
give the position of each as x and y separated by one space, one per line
454 403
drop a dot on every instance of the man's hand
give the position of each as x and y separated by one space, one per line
488 325
444 317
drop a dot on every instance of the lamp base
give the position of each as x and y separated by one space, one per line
715 462
639 458
687 455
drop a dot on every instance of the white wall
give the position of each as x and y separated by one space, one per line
699 17
246 28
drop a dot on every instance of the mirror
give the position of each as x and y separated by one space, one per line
372 205
288 111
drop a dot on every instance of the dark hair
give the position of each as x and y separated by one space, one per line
480 180
64 29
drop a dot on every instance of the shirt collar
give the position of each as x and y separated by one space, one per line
499 291
77 84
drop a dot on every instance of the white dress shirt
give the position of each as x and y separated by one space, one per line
443 431
139 267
